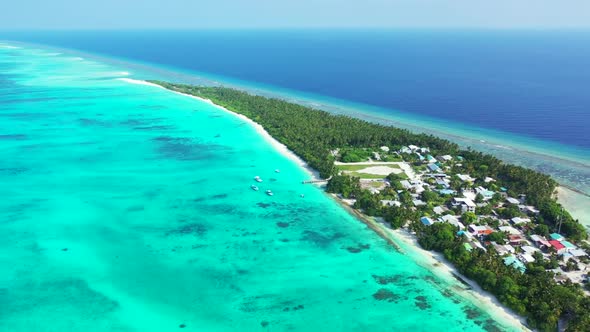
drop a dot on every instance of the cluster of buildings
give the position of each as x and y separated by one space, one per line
460 194
520 247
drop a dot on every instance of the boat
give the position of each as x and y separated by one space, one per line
277 170
254 187
269 193
257 178
302 196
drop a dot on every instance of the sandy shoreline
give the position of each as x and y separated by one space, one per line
576 203
280 147
401 240
435 262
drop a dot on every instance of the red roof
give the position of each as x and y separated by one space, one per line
557 245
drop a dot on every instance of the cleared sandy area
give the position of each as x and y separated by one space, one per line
380 170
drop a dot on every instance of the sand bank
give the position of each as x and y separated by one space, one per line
576 203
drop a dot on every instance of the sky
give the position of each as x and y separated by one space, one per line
256 14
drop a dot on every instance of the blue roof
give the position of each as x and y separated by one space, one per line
433 167
503 189
446 191
426 221
556 236
568 244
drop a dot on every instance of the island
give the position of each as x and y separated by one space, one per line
499 224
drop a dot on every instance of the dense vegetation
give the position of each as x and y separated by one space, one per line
314 134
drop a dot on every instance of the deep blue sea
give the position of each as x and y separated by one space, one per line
531 83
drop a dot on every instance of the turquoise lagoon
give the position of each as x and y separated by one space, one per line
128 208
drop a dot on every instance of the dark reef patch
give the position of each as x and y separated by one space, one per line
13 137
13 170
62 295
93 123
360 247
471 313
135 208
195 229
263 205
386 295
283 224
183 148
319 239
156 127
384 280
421 302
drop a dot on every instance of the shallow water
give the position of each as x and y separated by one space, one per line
128 208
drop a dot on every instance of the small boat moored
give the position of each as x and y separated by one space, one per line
269 193
277 170
253 187
257 178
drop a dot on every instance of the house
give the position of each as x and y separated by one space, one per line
512 261
512 200
433 167
465 178
526 258
384 148
467 246
445 158
452 220
466 204
405 149
468 193
413 147
568 245
430 159
442 182
406 184
519 220
529 250
446 192
555 236
439 209
488 180
385 202
537 239
486 194
559 248
418 202
578 253
504 249
426 221
509 230
480 230
515 239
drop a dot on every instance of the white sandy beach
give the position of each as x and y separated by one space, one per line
280 147
405 241
578 205
436 263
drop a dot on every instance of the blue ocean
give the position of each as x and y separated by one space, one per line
128 207
531 83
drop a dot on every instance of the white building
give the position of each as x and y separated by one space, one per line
466 204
